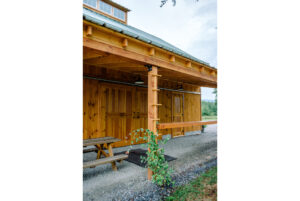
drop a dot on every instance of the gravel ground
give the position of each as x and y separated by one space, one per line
194 153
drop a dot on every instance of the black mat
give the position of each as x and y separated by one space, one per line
135 157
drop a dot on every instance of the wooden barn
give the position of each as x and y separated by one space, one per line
132 79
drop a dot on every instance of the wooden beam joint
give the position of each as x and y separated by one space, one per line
151 51
172 58
124 43
212 73
189 64
89 31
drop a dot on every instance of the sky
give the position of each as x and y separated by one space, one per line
190 25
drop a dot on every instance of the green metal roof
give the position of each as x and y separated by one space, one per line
125 29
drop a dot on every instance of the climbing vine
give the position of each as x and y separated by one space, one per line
155 156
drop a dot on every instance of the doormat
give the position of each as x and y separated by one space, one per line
135 157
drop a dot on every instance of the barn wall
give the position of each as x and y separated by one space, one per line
115 110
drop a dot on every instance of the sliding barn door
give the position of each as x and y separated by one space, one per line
91 110
177 113
118 110
140 113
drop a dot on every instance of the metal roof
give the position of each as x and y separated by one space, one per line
125 29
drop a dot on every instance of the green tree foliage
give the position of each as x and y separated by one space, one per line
216 92
163 2
209 108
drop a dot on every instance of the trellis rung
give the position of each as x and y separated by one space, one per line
157 105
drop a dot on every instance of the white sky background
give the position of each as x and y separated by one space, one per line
190 26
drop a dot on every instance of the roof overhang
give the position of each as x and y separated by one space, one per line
130 53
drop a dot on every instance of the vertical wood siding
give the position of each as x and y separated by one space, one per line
116 110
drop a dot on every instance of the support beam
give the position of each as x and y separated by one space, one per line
111 59
152 100
139 57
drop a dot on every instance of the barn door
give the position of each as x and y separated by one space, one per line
177 113
140 113
118 113
91 109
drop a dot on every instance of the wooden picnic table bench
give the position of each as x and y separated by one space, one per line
99 144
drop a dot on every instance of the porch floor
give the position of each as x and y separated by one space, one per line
102 183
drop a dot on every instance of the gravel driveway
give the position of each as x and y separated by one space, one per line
194 153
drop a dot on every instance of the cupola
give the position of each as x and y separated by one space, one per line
108 8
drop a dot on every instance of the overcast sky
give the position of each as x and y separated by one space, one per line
190 26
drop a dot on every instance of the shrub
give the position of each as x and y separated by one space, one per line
155 156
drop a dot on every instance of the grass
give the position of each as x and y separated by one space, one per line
203 188
206 118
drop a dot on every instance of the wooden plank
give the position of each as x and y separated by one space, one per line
101 138
184 124
94 149
99 141
104 160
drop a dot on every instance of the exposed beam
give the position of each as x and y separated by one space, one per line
121 65
188 64
110 59
91 55
146 59
151 51
213 73
125 42
109 36
172 58
89 30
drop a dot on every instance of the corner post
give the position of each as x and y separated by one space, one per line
152 100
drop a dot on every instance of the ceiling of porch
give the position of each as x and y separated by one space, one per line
96 58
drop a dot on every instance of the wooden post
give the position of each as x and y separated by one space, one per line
152 102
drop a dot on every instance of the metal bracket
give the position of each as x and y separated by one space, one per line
149 67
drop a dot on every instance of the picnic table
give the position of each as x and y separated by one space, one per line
100 144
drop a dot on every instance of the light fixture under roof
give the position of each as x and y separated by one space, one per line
139 81
180 87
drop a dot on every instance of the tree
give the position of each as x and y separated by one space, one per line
216 92
163 2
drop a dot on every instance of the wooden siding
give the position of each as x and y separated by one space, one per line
115 110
